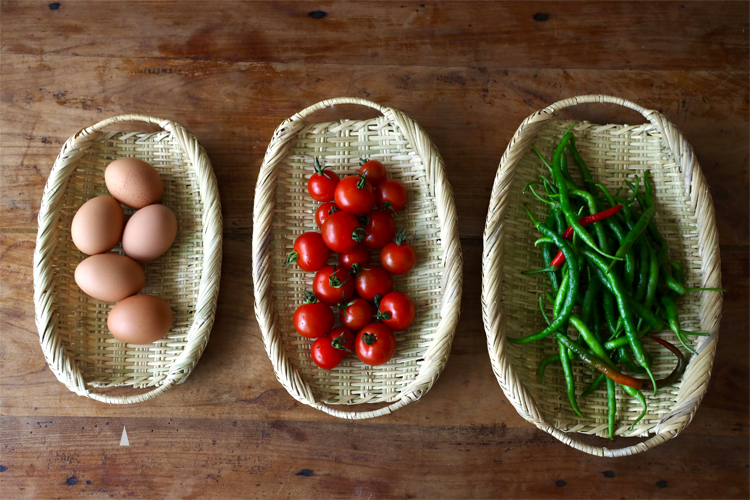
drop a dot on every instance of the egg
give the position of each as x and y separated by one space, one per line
140 319
97 225
133 182
110 277
149 233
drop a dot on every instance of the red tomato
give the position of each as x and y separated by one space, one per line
313 319
329 351
340 230
375 344
310 252
359 255
391 191
322 184
354 195
397 311
398 257
323 211
373 281
356 314
379 230
374 170
333 284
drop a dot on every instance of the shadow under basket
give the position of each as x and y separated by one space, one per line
685 217
284 210
73 326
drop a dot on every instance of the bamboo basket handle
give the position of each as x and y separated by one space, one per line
287 374
698 373
49 214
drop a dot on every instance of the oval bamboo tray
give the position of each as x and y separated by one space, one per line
509 299
73 326
283 210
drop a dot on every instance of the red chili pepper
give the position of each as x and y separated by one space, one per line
584 221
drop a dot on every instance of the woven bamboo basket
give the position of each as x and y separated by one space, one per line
283 210
509 299
73 326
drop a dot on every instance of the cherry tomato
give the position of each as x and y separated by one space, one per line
375 344
379 230
313 319
329 351
391 191
333 284
356 315
397 311
310 252
323 211
359 255
341 232
354 195
374 170
322 184
398 257
373 281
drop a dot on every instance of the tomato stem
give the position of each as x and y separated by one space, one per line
400 237
358 234
310 298
292 257
338 343
362 180
368 338
318 167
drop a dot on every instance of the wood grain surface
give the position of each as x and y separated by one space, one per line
469 73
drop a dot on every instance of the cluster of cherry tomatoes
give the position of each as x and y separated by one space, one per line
355 217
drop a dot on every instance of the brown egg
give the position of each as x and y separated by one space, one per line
149 233
110 277
133 182
140 319
97 225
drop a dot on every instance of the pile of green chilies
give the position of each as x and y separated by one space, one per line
620 275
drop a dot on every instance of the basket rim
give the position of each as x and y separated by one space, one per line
698 373
436 356
45 303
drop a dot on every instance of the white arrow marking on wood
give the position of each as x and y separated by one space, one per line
124 440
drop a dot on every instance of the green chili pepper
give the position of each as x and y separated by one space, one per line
653 280
674 321
634 393
585 172
573 270
610 310
547 250
625 312
643 268
611 408
570 383
589 337
630 262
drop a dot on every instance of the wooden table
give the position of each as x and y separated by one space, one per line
468 72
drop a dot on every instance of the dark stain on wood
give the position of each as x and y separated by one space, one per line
540 16
306 472
560 483
54 6
661 484
3 468
71 481
609 474
317 14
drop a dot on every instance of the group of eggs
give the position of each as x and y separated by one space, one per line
97 227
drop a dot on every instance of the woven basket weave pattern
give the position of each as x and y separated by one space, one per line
90 357
423 349
614 153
